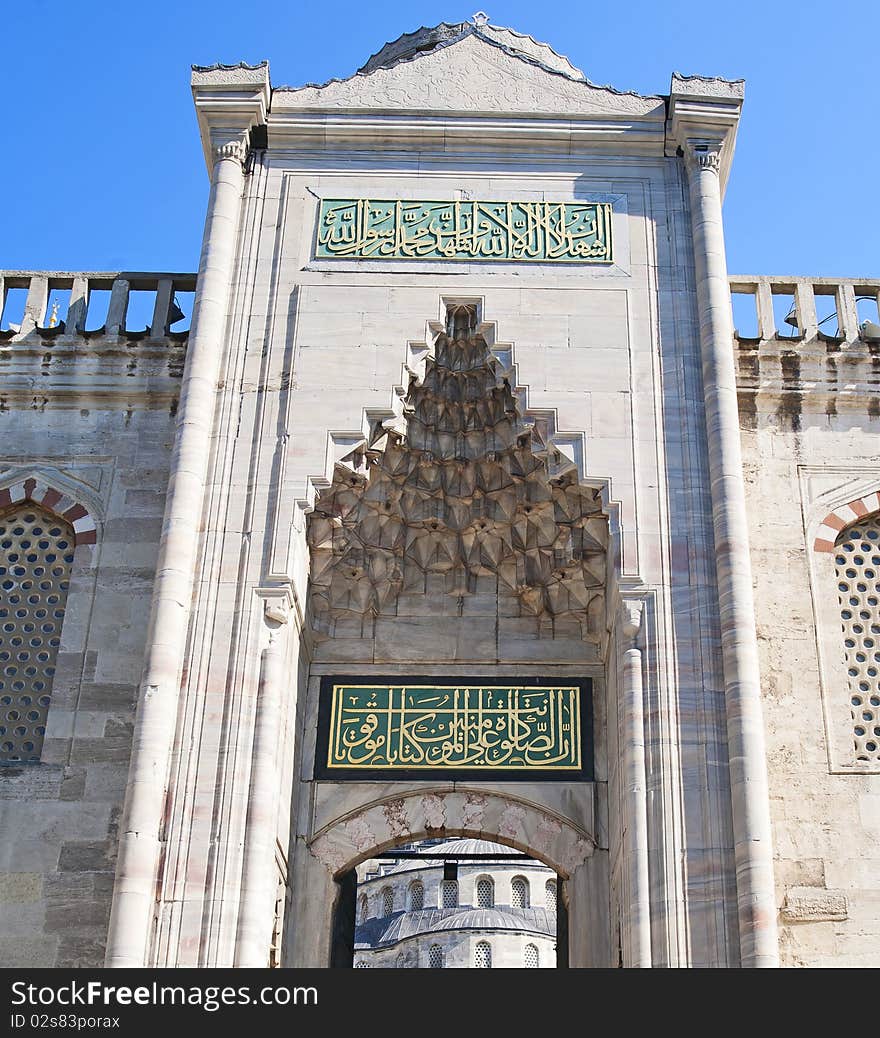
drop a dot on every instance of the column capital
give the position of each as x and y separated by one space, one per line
630 619
236 148
703 154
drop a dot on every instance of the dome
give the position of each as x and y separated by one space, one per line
376 933
534 920
463 846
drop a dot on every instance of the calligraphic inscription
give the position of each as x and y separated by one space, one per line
543 232
464 726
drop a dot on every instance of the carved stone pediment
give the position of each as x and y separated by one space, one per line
466 490
471 73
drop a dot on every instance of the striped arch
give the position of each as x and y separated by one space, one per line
843 516
61 504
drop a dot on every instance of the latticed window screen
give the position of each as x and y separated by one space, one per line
387 901
398 963
485 893
364 909
449 893
416 896
550 895
435 957
482 955
530 957
857 560
519 893
36 553
361 965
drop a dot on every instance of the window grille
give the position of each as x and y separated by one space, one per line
387 901
449 893
519 893
857 561
36 554
550 895
482 955
435 957
416 896
530 957
485 893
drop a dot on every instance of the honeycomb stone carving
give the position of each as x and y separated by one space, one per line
465 487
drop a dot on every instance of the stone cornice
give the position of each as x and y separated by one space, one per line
229 100
463 134
703 119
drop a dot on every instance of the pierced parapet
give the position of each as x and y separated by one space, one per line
464 486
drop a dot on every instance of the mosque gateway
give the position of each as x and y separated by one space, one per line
460 589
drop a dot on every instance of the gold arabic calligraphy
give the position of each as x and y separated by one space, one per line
450 726
544 232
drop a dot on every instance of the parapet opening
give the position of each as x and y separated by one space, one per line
745 313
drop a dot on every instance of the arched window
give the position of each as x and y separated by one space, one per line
364 909
519 893
36 553
387 901
416 896
550 894
485 893
530 957
449 893
482 955
435 957
857 562
398 963
361 965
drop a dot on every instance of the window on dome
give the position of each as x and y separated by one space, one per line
530 957
550 893
36 554
398 962
364 909
387 901
361 965
519 893
449 893
485 893
435 957
416 896
482 955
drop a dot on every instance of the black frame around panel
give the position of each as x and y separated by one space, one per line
325 774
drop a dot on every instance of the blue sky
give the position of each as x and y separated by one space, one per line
103 169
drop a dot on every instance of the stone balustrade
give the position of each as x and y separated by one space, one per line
833 297
813 355
37 321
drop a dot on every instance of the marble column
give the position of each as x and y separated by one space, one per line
756 898
137 872
638 912
259 881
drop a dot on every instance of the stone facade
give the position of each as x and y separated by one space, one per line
89 422
310 494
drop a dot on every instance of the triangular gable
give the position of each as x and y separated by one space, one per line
472 72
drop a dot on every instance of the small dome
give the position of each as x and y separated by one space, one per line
463 846
375 933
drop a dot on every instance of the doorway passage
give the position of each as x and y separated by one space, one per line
450 904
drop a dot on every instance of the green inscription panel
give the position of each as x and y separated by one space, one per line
542 232
469 728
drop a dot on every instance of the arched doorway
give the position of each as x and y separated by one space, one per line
323 914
